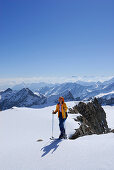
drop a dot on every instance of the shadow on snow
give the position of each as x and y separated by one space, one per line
52 146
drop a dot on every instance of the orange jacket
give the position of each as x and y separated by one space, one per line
63 108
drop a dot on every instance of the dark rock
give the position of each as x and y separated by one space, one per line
112 131
92 119
73 110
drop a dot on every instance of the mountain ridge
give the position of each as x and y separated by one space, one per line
48 94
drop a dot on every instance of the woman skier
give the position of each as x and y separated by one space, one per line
61 108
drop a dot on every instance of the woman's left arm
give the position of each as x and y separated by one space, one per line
65 107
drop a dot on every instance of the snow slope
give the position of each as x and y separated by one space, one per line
20 128
104 94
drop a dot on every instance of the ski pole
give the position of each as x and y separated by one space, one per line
52 124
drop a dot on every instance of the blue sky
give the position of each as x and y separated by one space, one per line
56 38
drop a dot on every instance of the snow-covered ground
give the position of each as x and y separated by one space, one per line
20 128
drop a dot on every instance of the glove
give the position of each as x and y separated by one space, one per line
53 112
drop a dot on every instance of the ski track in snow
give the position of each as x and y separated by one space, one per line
20 128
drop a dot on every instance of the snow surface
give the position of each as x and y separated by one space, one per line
104 94
36 93
20 128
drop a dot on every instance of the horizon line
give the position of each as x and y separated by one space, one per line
52 79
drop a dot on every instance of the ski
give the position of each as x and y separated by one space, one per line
58 138
54 139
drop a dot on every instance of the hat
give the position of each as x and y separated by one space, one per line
61 98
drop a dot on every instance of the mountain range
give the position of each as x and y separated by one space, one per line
43 94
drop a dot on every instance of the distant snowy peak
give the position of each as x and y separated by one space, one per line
31 86
24 97
53 99
77 90
48 94
108 82
61 88
7 94
74 87
107 99
84 83
25 91
8 90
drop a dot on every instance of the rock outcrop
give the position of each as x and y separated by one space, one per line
92 119
73 110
